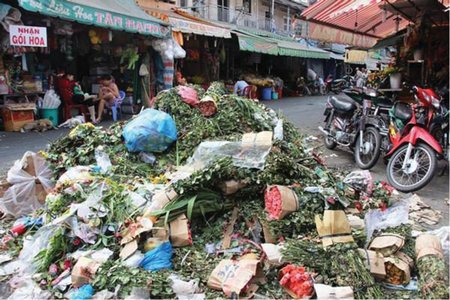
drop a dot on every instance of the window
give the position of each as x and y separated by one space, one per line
268 16
247 6
285 24
183 3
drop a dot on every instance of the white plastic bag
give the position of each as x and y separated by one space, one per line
183 288
443 234
178 51
394 216
51 100
278 131
22 198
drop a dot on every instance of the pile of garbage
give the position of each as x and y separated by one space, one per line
207 195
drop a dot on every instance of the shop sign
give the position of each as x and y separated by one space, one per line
27 36
333 35
93 16
198 28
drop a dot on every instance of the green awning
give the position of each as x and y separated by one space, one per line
255 44
297 50
114 14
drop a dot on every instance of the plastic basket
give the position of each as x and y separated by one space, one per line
51 114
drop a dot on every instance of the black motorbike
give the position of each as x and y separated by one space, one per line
357 123
338 85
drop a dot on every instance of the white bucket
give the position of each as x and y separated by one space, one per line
395 80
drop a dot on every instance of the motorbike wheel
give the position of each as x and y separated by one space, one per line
420 169
329 142
367 157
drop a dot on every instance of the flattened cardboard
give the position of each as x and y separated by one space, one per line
324 291
128 249
84 271
334 228
263 138
179 232
273 253
229 229
375 261
387 244
268 236
428 244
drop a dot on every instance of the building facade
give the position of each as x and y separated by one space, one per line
255 14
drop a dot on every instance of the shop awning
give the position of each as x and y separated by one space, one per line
336 56
297 50
114 14
182 23
359 22
256 44
390 40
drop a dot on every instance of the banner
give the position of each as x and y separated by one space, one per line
27 36
94 16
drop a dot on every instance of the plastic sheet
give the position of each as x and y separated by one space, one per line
278 131
23 196
151 131
360 180
394 216
134 260
251 156
29 290
103 161
158 258
443 234
75 174
188 95
183 288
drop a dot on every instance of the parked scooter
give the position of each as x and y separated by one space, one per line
413 156
336 85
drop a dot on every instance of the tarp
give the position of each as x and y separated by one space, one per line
115 14
256 44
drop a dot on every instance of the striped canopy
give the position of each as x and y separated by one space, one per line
367 17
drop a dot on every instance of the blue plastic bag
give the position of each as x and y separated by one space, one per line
158 258
84 292
151 131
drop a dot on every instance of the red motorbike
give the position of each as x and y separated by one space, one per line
413 156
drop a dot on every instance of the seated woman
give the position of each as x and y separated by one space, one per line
74 90
107 95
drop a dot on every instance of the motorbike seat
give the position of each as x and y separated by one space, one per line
344 105
402 111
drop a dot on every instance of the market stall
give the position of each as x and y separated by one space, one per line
116 42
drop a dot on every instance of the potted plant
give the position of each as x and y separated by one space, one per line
395 76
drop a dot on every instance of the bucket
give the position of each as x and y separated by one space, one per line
51 114
274 96
395 80
266 93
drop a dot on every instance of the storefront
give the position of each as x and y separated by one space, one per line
87 39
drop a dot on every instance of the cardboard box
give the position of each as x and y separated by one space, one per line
375 261
15 116
84 271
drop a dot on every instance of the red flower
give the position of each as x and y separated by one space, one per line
382 206
331 200
76 242
358 206
67 264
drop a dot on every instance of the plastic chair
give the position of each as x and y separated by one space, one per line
68 103
116 108
250 92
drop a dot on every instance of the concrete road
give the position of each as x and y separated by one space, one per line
307 114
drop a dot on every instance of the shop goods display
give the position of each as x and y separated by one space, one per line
207 195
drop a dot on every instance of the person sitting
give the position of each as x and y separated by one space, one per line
239 87
302 87
109 92
75 92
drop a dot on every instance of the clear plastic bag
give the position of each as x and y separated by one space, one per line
183 288
151 131
360 180
443 234
51 99
23 196
394 216
278 131
103 161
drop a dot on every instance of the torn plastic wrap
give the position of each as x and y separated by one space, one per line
244 155
394 216
28 191
360 181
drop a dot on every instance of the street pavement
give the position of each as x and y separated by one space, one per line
305 112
